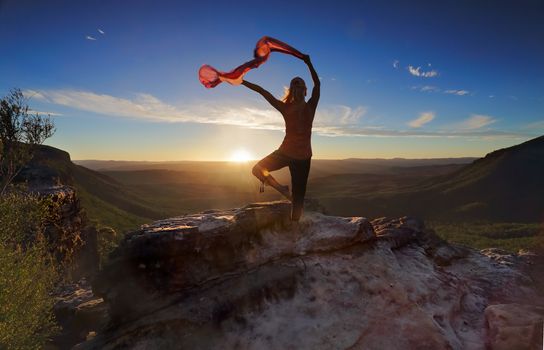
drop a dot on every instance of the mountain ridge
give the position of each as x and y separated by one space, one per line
505 185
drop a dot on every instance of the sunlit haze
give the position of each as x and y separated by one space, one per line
418 79
241 155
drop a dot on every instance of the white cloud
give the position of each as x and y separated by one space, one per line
338 115
33 94
429 88
335 120
423 119
396 64
425 88
419 73
382 132
477 121
457 92
148 107
101 31
88 37
54 114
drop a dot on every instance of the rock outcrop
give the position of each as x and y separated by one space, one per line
249 278
69 231
79 313
73 240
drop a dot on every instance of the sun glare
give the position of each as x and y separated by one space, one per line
241 155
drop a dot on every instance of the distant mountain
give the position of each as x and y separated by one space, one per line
184 187
105 199
320 167
505 185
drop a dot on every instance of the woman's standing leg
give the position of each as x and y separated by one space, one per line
299 177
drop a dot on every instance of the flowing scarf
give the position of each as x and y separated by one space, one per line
211 77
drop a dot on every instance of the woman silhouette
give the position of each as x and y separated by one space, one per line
295 151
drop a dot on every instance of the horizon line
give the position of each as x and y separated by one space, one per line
257 159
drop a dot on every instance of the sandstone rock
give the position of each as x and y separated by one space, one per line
48 175
176 254
514 326
248 278
78 312
70 231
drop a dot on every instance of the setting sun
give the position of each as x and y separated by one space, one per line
241 155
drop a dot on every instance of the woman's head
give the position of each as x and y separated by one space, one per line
296 91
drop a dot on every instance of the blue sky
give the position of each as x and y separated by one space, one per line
416 79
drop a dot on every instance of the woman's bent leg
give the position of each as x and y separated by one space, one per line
299 178
270 163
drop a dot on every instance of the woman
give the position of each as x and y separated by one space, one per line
295 150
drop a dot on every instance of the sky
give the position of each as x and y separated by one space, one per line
411 79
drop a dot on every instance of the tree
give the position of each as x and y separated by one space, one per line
20 132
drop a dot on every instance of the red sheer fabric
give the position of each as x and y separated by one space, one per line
211 77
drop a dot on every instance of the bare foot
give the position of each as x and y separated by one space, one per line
285 191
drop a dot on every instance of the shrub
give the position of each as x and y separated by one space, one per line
28 273
108 240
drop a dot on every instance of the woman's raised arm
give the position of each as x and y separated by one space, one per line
317 83
267 95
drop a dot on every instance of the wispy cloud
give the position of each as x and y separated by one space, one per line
431 88
54 114
477 121
339 115
101 31
425 88
419 73
457 92
331 120
142 106
396 64
538 125
382 132
33 94
148 107
423 119
88 37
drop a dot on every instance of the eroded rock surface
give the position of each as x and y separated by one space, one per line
79 313
248 278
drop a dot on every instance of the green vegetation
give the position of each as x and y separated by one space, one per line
104 214
507 236
108 240
28 273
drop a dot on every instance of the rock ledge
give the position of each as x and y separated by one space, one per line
249 278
